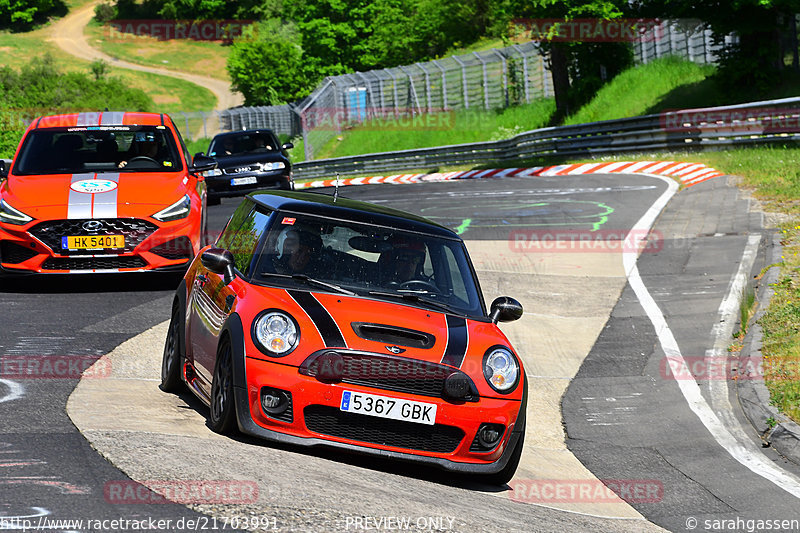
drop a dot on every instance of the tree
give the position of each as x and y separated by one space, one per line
764 29
267 64
578 68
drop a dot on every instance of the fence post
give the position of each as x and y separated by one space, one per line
444 83
427 85
485 81
505 73
188 131
412 88
521 52
394 89
463 81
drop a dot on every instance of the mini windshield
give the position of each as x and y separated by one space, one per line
384 263
243 143
98 149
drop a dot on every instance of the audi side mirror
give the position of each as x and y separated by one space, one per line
202 163
505 309
287 146
3 169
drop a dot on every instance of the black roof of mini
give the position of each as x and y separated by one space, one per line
310 203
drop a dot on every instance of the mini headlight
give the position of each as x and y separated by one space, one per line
273 166
9 215
501 370
213 172
275 333
178 210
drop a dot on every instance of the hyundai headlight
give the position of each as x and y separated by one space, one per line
9 215
501 369
276 333
176 211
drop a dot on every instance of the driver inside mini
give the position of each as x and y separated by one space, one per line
403 262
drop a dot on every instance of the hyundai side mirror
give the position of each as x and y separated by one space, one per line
505 309
219 262
202 163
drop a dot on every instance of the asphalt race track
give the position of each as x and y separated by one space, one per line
590 346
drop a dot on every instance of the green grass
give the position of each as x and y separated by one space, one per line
438 129
646 89
184 55
169 94
781 327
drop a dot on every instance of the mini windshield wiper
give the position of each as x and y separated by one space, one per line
414 297
309 281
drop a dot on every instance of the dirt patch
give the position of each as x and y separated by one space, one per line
162 99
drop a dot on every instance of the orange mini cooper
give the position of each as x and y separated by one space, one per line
101 192
321 321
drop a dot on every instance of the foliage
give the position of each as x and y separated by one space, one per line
22 14
41 88
763 28
266 64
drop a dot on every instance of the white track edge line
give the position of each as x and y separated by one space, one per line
756 463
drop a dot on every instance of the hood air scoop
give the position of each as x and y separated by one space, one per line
394 335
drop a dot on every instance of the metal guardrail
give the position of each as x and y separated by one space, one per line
691 129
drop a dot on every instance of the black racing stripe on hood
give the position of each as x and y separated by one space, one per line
457 340
322 319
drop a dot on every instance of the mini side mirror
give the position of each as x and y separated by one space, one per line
505 309
219 262
202 163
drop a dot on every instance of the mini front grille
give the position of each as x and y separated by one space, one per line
331 421
180 248
93 263
13 254
389 372
51 232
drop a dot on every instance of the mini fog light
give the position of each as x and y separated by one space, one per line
275 401
488 437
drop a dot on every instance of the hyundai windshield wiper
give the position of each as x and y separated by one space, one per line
414 297
309 281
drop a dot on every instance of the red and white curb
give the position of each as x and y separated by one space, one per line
687 173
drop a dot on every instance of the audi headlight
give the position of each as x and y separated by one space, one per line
273 166
275 333
178 210
9 215
501 369
212 173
